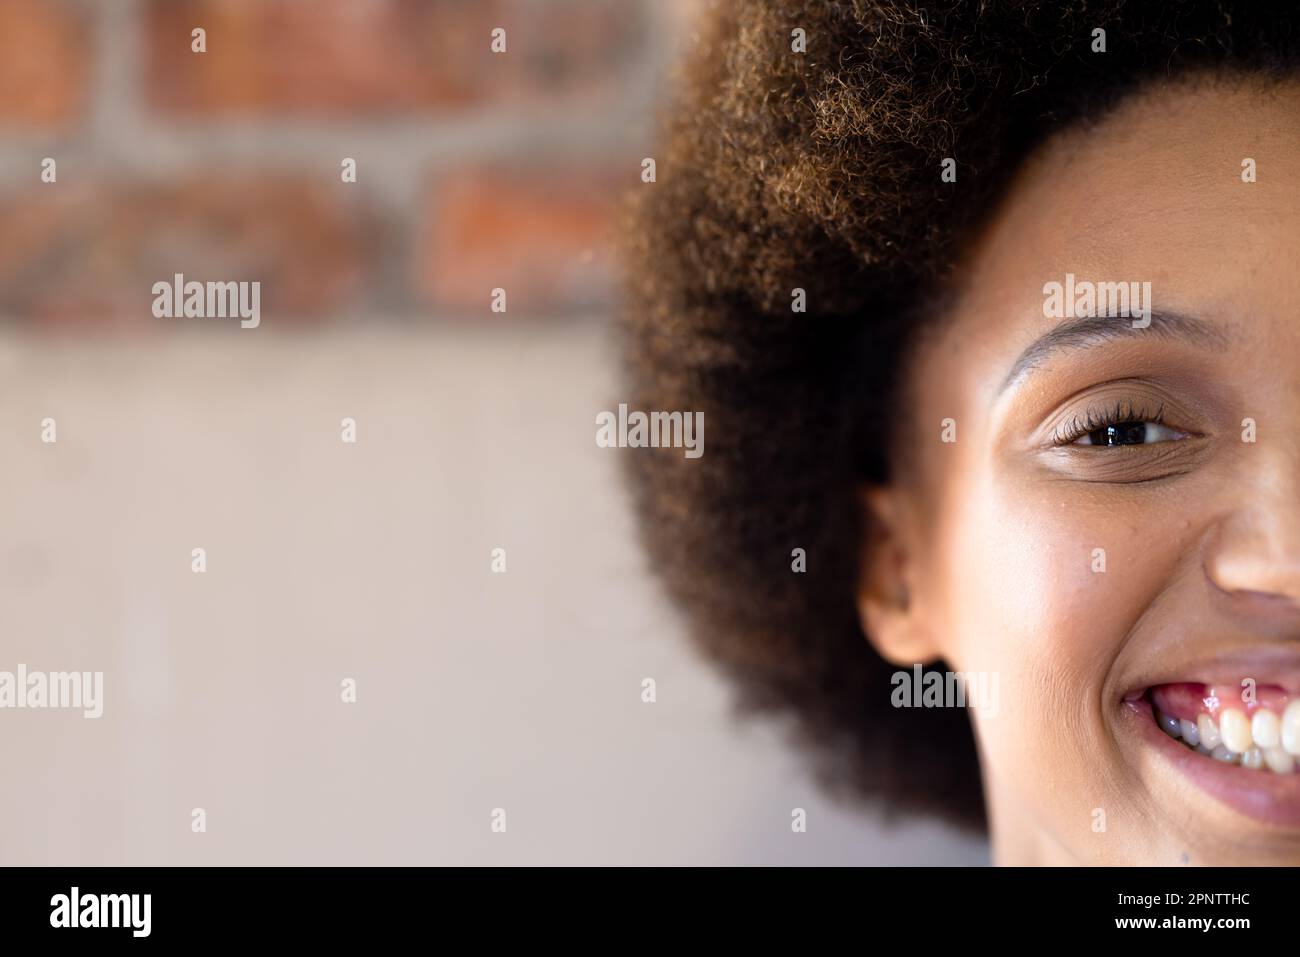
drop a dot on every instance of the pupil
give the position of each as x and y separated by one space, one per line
1124 433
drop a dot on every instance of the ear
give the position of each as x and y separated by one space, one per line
888 609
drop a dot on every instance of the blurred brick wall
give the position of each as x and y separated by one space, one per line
475 169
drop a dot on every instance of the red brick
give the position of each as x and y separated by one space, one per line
45 63
544 235
91 252
363 57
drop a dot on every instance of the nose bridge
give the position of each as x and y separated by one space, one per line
1256 547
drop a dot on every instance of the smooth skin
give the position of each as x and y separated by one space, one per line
987 556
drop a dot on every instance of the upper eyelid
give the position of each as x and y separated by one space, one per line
1121 410
1194 399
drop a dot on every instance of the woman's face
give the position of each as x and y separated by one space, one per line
1117 521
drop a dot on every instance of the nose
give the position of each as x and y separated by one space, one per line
1256 549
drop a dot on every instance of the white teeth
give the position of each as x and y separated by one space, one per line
1234 728
1266 729
1237 738
1167 723
1208 730
1279 760
1291 727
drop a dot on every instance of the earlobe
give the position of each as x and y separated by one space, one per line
888 610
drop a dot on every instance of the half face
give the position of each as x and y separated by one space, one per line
1115 531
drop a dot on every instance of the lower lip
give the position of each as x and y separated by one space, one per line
1262 795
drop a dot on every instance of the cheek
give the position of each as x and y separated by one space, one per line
1040 587
1039 579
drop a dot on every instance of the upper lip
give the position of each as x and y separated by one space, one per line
1272 665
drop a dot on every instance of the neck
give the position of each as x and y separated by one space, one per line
1016 838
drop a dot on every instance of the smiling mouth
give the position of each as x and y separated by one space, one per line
1223 746
1259 735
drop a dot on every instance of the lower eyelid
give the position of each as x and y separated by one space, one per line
1126 465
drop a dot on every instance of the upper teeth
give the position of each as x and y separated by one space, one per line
1266 729
1234 726
1255 741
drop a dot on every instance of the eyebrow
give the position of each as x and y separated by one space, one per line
1089 331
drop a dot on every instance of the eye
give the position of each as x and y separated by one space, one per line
1118 423
1130 433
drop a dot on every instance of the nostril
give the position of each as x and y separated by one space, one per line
1269 599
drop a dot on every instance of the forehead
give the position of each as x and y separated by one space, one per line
1154 193
1159 183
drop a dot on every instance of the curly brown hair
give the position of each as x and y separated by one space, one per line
820 171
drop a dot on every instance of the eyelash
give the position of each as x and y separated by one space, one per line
1092 420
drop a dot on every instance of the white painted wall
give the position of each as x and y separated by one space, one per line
326 561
